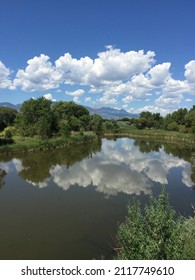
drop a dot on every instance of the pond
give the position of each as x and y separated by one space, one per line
66 203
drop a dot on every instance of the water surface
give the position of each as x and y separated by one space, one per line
66 203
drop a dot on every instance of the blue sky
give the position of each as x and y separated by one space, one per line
132 54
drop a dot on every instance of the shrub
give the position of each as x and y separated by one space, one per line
154 233
188 234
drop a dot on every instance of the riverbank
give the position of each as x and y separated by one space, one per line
173 136
28 144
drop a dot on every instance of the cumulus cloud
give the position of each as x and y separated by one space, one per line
190 71
49 97
114 75
38 75
111 66
88 99
114 65
77 92
159 74
5 81
76 99
190 75
107 99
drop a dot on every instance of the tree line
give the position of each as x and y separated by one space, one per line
43 118
182 120
46 119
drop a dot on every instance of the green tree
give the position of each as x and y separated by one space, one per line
173 126
7 117
141 123
36 118
74 123
76 115
190 120
179 116
96 124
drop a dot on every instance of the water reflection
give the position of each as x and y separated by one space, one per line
124 165
2 175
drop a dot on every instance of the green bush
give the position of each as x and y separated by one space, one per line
154 233
188 234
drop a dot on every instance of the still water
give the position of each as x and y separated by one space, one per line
66 203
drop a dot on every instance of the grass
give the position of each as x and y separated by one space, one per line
154 134
28 144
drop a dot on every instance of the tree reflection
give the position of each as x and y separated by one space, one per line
147 146
37 165
3 173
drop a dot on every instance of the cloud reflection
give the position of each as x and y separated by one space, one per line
120 166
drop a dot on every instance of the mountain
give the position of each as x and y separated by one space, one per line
10 105
104 112
111 113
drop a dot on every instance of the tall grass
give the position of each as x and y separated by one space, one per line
154 134
27 144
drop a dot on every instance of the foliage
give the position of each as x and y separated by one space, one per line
111 125
173 126
7 117
188 234
8 134
36 118
75 115
182 120
154 233
96 124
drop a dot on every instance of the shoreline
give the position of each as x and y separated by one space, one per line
182 138
25 144
31 145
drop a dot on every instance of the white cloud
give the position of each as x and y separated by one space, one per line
190 75
159 74
190 71
38 75
163 110
114 65
5 81
77 92
107 99
114 75
76 99
188 100
88 99
110 67
49 97
127 99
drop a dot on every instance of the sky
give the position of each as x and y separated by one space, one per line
137 55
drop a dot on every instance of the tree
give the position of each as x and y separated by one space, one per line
74 123
7 117
152 120
190 120
36 118
179 116
141 123
96 124
71 113
173 126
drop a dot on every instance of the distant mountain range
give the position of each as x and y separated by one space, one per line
111 113
10 105
104 112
